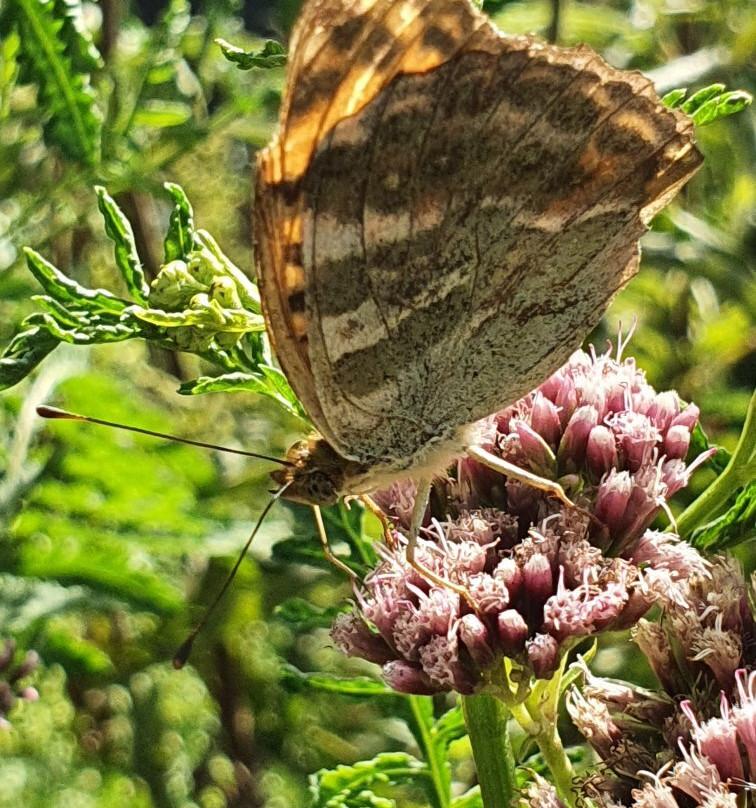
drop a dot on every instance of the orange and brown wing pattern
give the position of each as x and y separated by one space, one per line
342 56
444 237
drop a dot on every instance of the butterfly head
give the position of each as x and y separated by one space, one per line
315 474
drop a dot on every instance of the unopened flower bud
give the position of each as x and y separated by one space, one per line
540 458
537 580
513 631
687 418
544 419
601 451
543 655
350 633
407 678
677 442
574 443
474 634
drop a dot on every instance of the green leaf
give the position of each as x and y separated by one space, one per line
65 290
211 315
674 98
722 106
700 97
303 549
470 799
24 353
272 55
58 55
735 526
356 686
118 229
160 114
279 383
10 45
238 382
179 236
708 104
302 616
450 727
699 443
87 334
350 786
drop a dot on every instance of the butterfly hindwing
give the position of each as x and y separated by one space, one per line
450 218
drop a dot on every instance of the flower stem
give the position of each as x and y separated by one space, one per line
543 709
438 767
486 719
554 755
738 472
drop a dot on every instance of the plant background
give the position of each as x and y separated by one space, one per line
110 544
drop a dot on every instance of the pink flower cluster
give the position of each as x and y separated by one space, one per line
536 575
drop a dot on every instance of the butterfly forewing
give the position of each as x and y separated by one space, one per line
445 215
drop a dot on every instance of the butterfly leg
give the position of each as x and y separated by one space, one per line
416 521
528 477
388 536
337 562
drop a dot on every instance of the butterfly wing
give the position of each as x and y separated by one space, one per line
341 56
450 212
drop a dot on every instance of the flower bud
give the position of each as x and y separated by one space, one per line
513 631
543 655
474 634
601 451
407 678
573 446
544 419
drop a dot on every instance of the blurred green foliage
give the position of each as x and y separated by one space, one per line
111 543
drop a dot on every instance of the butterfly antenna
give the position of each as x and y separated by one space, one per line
181 656
53 412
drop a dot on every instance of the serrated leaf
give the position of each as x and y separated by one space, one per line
356 686
237 382
213 316
24 353
179 239
736 526
349 786
722 106
88 334
271 55
58 56
118 229
65 290
65 315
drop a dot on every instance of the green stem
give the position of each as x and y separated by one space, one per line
738 472
486 719
555 757
543 709
437 765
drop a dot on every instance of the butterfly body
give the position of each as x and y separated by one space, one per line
442 217
317 474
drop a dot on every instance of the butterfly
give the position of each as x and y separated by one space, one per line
443 215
